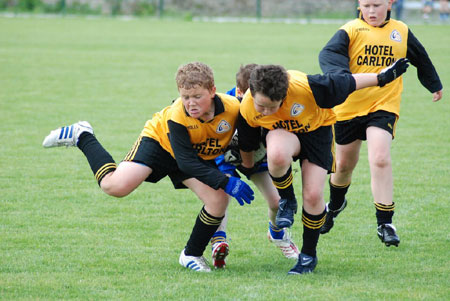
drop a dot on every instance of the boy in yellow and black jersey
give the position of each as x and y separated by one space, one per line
181 142
371 43
294 111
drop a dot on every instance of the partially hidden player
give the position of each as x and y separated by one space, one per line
259 175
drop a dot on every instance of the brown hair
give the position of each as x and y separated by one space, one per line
194 74
269 80
243 76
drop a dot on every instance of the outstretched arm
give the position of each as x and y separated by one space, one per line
387 75
332 89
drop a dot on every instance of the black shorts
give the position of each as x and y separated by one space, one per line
149 152
318 147
355 129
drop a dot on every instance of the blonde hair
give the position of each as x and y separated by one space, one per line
195 74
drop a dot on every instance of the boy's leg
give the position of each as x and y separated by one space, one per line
347 157
207 222
282 147
116 182
280 237
313 217
378 145
219 244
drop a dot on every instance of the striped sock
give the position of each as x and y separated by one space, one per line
311 231
99 159
218 236
284 185
204 228
275 232
384 213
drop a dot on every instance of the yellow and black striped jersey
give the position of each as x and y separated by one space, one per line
191 141
361 48
307 106
299 112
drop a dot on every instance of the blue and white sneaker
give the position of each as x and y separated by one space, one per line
196 263
305 264
67 135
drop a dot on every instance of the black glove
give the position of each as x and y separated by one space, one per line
390 73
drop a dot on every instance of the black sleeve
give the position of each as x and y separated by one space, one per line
426 72
248 137
333 58
331 89
188 160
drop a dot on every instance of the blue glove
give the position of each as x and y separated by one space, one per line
390 73
225 167
239 190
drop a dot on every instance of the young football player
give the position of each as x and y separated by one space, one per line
259 175
293 109
181 142
368 44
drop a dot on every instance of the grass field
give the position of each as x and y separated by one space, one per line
62 238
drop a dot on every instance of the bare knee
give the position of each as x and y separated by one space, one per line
278 158
381 161
344 166
114 189
312 197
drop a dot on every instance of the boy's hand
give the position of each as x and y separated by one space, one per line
239 190
437 96
390 73
224 166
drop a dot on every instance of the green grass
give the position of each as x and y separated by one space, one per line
62 238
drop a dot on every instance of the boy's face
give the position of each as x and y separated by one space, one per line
239 93
264 105
375 11
198 102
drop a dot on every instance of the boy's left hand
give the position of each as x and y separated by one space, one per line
437 96
224 166
390 73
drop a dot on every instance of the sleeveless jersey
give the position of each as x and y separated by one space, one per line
370 50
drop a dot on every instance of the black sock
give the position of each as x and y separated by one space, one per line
311 231
99 159
384 213
204 228
337 195
284 185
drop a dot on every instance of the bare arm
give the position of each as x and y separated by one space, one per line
364 80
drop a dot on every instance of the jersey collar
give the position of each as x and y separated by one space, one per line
218 105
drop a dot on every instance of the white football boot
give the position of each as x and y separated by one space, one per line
219 253
67 135
196 263
286 245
